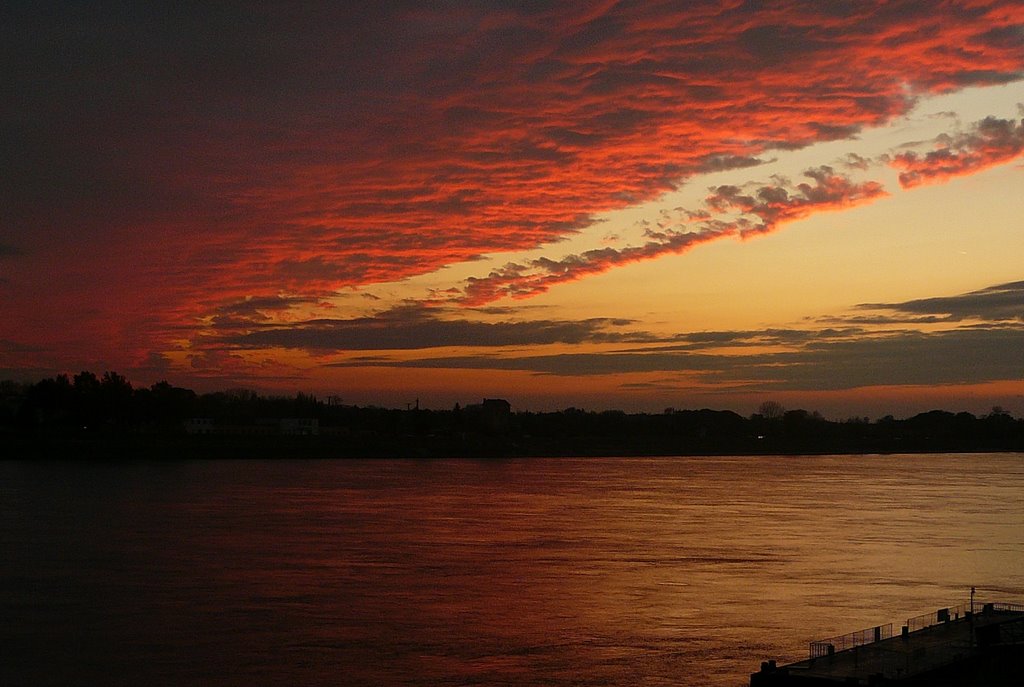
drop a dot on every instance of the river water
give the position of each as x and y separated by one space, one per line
638 571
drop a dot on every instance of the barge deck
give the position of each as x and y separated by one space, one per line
951 647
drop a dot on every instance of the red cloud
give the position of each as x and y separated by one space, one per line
512 129
990 142
775 205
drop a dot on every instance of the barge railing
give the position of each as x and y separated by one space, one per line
945 615
851 640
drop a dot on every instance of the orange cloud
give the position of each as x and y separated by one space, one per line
990 142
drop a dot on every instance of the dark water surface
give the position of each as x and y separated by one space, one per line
664 571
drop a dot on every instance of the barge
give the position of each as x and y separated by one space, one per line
951 647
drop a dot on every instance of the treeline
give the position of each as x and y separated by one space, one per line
87 403
89 408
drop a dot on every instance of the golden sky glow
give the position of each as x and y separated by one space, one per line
595 204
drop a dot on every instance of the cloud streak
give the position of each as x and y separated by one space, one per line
805 360
765 360
990 142
415 327
963 356
760 209
1003 302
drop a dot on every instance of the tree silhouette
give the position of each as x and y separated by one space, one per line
771 410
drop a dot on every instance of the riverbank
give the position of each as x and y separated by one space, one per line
112 446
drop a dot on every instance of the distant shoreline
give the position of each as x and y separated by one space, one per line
179 447
93 417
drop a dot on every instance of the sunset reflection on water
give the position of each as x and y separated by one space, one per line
564 571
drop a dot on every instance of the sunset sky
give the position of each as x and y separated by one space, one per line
603 204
